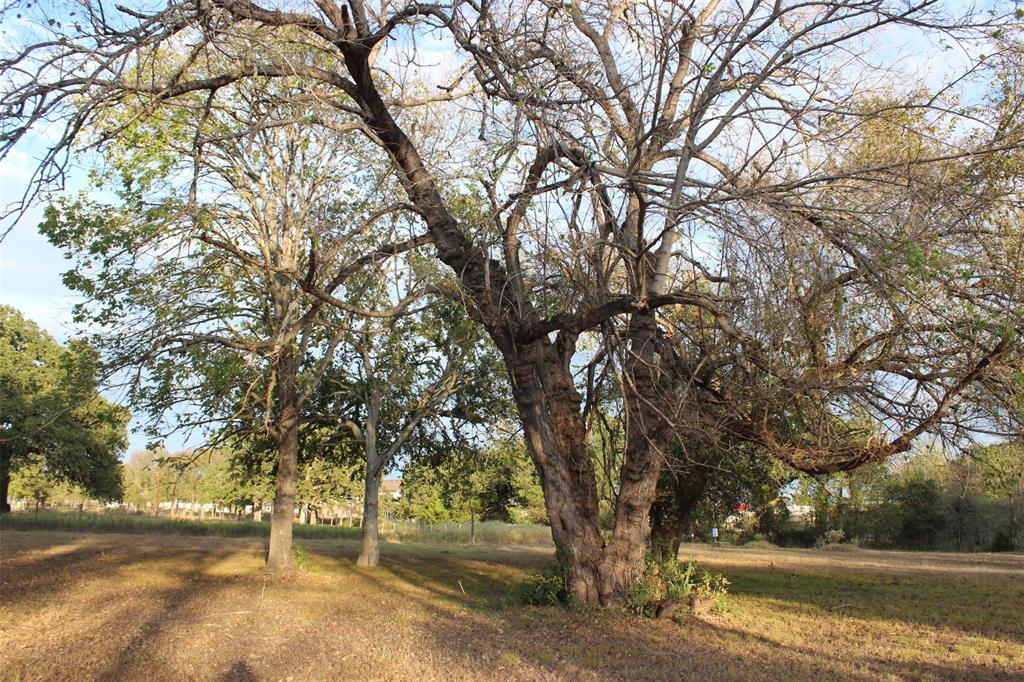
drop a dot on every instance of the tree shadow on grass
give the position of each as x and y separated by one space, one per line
31 582
414 604
90 581
621 647
618 646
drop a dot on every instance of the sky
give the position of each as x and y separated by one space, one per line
31 270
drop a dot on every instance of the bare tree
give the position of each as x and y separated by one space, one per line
637 157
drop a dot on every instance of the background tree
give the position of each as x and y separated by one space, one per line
496 483
406 386
214 294
53 416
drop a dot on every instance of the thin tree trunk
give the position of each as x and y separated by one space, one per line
369 551
5 480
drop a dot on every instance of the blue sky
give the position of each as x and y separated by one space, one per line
31 269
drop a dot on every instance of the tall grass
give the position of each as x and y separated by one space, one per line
493 532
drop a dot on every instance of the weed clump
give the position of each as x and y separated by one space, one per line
300 555
669 589
829 538
540 588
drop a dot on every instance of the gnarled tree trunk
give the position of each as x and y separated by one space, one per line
649 399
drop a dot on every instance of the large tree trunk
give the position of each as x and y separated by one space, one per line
549 407
279 556
5 480
649 398
679 492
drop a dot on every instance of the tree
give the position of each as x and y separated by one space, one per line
53 415
496 482
217 306
1002 476
405 387
617 140
709 484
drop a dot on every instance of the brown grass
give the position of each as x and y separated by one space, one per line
137 607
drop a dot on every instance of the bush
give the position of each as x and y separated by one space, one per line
795 535
300 555
1002 542
666 585
831 537
540 588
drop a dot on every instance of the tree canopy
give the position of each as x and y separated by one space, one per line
51 413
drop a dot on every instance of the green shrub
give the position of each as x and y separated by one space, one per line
794 534
1002 542
667 582
835 536
541 588
300 555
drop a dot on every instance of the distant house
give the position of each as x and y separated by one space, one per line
799 512
392 486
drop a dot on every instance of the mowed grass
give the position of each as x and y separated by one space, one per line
165 607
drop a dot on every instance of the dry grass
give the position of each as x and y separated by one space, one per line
139 607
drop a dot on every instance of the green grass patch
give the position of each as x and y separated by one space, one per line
490 532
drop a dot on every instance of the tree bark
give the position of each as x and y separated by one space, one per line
279 555
5 480
649 398
369 550
549 407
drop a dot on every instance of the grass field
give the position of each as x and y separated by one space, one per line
167 607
